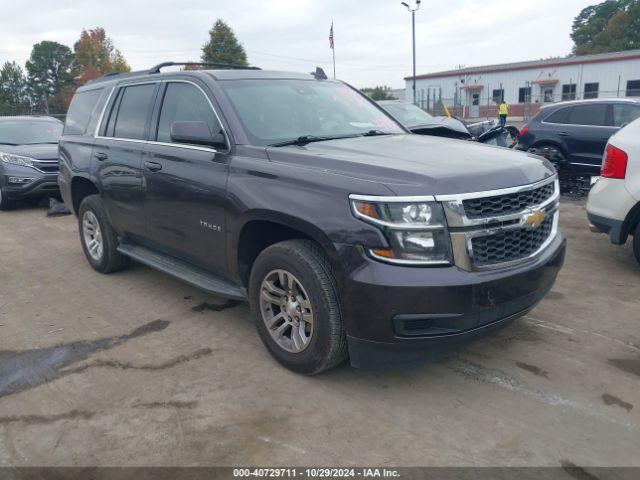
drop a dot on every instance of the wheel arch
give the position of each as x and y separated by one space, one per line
631 221
81 187
260 229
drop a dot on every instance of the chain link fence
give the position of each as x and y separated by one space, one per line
483 106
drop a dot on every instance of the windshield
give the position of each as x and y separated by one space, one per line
408 114
274 111
28 132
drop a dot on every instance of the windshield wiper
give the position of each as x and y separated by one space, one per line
304 139
7 143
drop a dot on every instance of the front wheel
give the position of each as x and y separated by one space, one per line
636 243
295 305
5 203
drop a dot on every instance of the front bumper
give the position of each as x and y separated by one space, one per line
398 315
39 184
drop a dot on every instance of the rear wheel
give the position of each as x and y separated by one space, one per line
551 153
295 305
98 239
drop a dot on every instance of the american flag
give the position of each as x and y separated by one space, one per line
331 37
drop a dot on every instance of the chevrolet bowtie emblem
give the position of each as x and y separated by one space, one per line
534 220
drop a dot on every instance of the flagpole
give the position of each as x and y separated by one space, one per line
334 62
334 51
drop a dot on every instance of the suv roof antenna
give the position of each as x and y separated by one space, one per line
226 66
319 74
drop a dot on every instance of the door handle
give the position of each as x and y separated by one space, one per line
101 156
563 134
152 166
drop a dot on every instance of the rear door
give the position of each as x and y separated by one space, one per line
117 155
186 184
587 134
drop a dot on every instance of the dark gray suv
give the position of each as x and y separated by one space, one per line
347 235
28 158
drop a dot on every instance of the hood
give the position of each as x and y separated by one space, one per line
40 151
419 165
440 124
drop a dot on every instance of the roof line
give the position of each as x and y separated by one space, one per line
510 67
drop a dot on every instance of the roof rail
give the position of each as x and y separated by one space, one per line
230 66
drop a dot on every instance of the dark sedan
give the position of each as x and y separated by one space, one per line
28 158
573 135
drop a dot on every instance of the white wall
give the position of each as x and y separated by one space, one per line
604 73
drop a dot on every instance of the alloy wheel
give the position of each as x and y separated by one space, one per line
92 235
286 311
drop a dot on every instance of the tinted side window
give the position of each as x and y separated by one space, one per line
595 114
133 110
80 110
624 114
184 102
561 116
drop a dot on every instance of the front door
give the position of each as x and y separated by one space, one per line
117 156
186 184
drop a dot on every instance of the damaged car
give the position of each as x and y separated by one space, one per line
422 123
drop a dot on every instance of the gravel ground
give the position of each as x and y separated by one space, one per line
136 368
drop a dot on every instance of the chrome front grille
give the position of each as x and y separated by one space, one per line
502 227
507 204
510 245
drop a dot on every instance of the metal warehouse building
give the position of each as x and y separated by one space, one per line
473 92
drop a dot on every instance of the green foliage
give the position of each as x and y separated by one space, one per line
610 26
96 55
14 90
50 69
223 46
379 93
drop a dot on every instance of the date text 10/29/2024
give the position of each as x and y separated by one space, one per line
315 473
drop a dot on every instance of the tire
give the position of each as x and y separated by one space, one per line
304 270
5 203
551 153
102 255
636 243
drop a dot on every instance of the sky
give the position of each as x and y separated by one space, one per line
372 37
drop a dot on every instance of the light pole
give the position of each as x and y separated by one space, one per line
413 31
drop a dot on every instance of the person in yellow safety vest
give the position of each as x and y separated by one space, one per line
503 112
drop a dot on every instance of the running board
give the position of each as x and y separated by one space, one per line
206 281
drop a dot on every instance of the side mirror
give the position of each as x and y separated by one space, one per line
196 133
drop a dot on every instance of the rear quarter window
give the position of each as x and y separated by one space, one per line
81 110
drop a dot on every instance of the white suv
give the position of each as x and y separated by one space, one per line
614 202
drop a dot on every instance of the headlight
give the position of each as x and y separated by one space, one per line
16 160
416 230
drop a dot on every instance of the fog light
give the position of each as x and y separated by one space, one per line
20 180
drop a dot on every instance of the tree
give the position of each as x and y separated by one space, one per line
14 90
50 69
96 55
223 46
610 26
379 93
